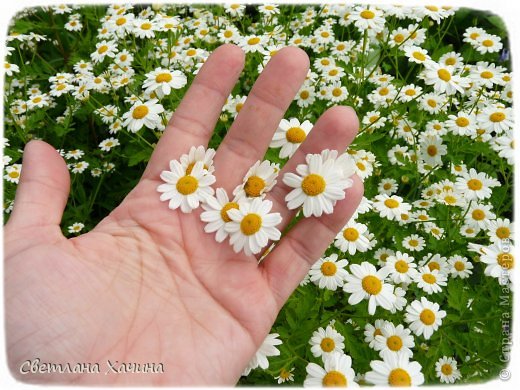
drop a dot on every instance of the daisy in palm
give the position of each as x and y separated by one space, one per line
162 81
318 185
329 272
395 370
290 135
183 190
353 238
402 268
267 349
195 155
326 341
395 339
424 317
143 114
215 214
259 180
252 225
336 371
365 282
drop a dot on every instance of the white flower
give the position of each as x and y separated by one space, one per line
365 282
318 185
496 118
107 144
196 154
446 370
78 167
395 339
336 371
143 114
267 349
215 214
75 228
326 341
252 225
259 180
285 376
460 266
353 238
414 242
424 317
432 149
290 135
13 173
162 81
500 229
372 331
402 267
329 272
391 207
395 370
443 78
104 49
430 281
183 190
488 43
500 262
475 185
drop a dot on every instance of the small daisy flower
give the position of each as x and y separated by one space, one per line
368 19
318 185
395 370
13 173
285 376
382 255
329 272
444 79
195 155
436 262
414 242
215 214
253 43
144 28
475 185
446 370
143 114
460 266
162 81
488 43
499 230
497 119
500 262
183 190
267 349
396 339
353 238
290 135
391 207
372 331
78 167
424 317
416 54
365 282
107 144
462 124
252 225
259 180
479 215
75 228
326 341
104 49
402 268
336 371
430 281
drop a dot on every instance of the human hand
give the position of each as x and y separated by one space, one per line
147 284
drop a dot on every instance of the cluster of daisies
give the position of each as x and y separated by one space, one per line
435 152
247 218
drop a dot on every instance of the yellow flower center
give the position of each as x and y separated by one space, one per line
429 278
391 203
285 374
367 14
253 41
399 38
459 266
146 26
121 21
497 117
462 122
401 266
350 234
102 49
163 78
228 34
187 185
447 369
334 379
432 150
450 61
394 343
251 224
432 8
410 92
304 94
140 112
486 75
372 284
14 174
313 184
295 135
444 75
432 103
413 243
399 378
336 92
487 42
433 265
325 34
333 72
474 35
418 56
328 268
384 91
239 106
478 215
427 317
384 257
228 206
254 186
506 260
327 344
340 47
503 232
474 184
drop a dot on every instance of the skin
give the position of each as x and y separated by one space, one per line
147 284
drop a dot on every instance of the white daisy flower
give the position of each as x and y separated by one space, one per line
162 81
13 173
414 242
365 282
460 266
446 370
353 238
259 180
285 376
424 317
290 135
253 43
107 144
252 225
195 155
488 43
400 300
183 190
416 54
336 371
475 185
215 214
78 167
75 228
500 262
402 268
143 114
443 78
395 370
391 207
436 262
430 281
329 272
267 349
104 49
372 331
479 215
326 341
500 229
396 339
496 118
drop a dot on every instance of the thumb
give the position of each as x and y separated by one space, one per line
43 190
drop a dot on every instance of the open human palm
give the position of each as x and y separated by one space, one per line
147 284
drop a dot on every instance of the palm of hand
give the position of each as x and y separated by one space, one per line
147 284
